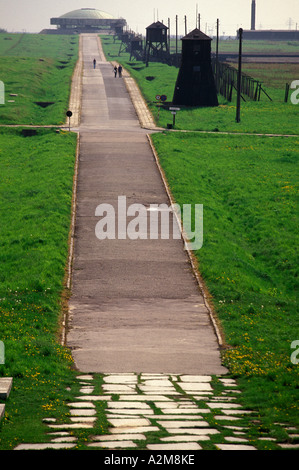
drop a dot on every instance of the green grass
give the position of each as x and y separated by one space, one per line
249 259
35 202
258 47
36 68
252 47
35 199
256 117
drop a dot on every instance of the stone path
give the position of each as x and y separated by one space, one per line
155 412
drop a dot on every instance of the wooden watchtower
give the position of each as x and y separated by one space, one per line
136 48
156 44
195 84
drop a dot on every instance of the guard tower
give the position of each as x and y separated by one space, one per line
136 47
195 84
156 44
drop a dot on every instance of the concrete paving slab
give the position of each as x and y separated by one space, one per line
195 386
45 446
71 426
120 437
120 405
83 419
187 411
64 439
81 405
185 438
93 398
235 439
128 415
133 430
182 424
137 398
125 422
118 388
113 444
2 410
234 447
223 405
195 378
178 446
193 431
5 387
83 412
124 412
174 417
120 379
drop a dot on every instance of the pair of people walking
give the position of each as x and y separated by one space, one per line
118 70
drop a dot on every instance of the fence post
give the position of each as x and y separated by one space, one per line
286 96
238 115
217 57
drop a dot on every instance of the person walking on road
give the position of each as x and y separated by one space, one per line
94 63
120 69
115 71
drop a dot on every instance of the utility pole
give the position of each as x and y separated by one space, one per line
238 116
217 55
176 39
185 25
253 15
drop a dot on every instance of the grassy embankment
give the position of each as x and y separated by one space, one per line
35 199
38 69
249 260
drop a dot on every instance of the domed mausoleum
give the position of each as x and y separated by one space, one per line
86 20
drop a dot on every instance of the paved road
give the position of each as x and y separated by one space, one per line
135 304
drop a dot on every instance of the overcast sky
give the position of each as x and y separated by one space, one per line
34 15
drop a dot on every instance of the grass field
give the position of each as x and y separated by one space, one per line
249 259
257 47
35 203
248 186
252 47
38 69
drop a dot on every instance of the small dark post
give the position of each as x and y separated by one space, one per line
217 57
286 96
238 116
176 34
69 115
